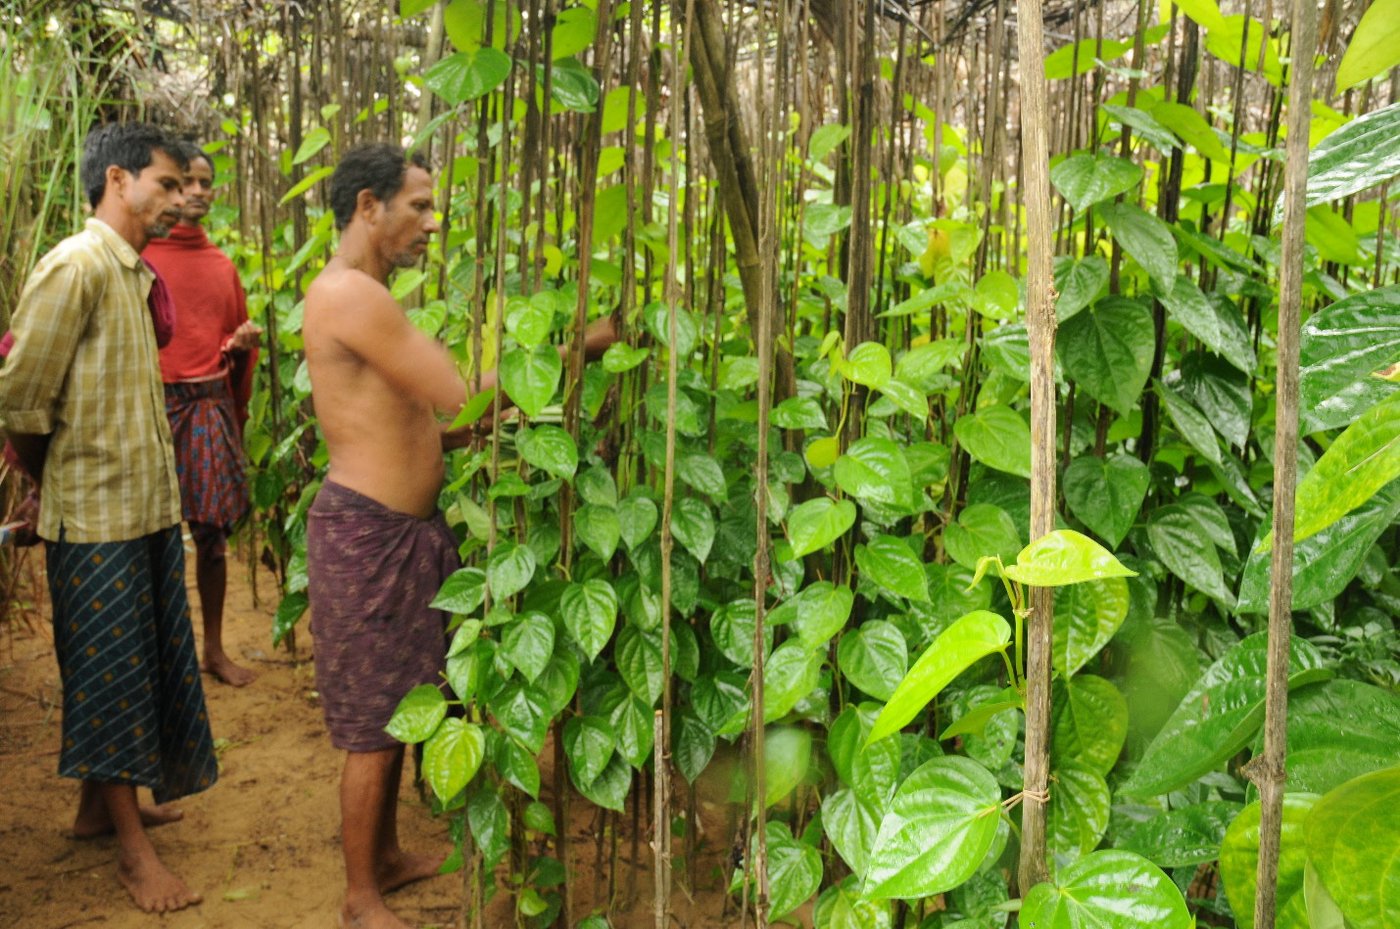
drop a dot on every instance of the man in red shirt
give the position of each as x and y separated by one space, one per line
208 373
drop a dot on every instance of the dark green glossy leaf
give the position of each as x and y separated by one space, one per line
638 657
1079 284
528 644
599 527
998 437
1087 616
851 822
636 517
589 612
704 474
1084 179
693 525
1363 153
489 821
1193 425
550 449
1176 539
1089 721
874 658
1078 812
1341 346
1106 494
794 870
1220 392
1108 351
874 470
530 378
611 787
694 746
982 529
1145 237
791 673
509 569
816 613
1338 730
589 746
1183 837
1217 717
888 562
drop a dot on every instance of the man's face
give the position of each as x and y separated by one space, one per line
198 190
407 220
153 196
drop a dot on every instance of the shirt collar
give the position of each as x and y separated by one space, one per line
120 247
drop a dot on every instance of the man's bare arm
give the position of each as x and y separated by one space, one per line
369 322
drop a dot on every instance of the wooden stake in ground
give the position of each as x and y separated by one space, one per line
1040 324
1267 770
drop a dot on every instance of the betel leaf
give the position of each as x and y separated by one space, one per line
452 757
1184 837
637 517
868 364
638 657
1239 862
418 714
1220 392
1191 423
1206 319
1087 615
875 470
799 413
969 639
693 525
1089 719
841 907
1374 47
982 529
574 29
462 592
610 789
1108 889
988 720
529 320
888 562
998 437
938 828
589 612
817 523
732 627
528 644
467 75
851 823
1085 179
550 449
1145 237
1362 460
509 569
1107 349
597 486
1062 557
922 365
1077 815
1078 283
622 357
530 378
1106 494
1218 716
703 473
1353 836
1340 348
787 755
1323 564
816 613
1191 127
589 744
1363 153
599 527
791 673
794 870
693 745
874 657
1338 730
1177 541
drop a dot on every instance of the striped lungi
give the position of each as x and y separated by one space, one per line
133 704
208 452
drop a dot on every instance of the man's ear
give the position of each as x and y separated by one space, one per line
116 178
366 204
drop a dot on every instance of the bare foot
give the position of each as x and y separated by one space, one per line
153 887
223 668
369 914
92 825
403 869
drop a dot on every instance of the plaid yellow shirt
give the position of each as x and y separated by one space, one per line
84 370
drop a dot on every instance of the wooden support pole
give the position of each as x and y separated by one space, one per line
1268 770
1040 323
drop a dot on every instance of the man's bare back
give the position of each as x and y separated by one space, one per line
377 382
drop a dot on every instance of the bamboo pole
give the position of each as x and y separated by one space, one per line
1040 322
1268 771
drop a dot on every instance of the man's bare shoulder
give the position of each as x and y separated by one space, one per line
343 288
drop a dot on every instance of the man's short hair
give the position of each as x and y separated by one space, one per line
129 146
379 167
190 150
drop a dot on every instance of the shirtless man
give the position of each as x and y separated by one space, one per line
377 548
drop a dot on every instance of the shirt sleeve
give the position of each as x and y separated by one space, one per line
48 325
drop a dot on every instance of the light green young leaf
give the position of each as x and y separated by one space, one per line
452 757
888 562
1374 47
1087 178
1353 838
817 523
1239 862
957 648
1064 557
418 714
998 437
1108 889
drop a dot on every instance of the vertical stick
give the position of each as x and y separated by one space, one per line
1267 771
1040 322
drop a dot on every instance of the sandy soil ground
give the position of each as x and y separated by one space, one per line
262 846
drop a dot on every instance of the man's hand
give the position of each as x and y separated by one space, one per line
244 338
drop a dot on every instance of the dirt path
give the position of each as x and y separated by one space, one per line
263 845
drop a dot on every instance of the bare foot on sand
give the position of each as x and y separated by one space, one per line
223 668
153 887
403 869
369 914
96 822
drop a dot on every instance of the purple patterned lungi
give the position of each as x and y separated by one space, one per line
372 571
